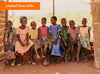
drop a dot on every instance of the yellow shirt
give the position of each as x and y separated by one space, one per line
33 33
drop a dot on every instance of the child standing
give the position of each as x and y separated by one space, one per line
73 34
85 36
54 30
65 38
10 44
44 37
33 33
23 44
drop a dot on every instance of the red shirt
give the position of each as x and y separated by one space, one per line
43 31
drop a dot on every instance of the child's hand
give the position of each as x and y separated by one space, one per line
53 40
9 45
66 44
16 52
75 41
27 43
22 44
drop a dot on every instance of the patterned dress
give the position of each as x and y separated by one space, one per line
55 48
11 38
84 37
18 47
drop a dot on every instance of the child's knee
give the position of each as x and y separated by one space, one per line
45 46
50 46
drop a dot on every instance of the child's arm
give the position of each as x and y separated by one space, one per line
61 34
18 36
27 39
89 33
49 35
12 39
63 39
39 36
58 33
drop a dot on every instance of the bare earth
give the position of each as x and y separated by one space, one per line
62 68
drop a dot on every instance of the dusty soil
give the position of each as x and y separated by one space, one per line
62 68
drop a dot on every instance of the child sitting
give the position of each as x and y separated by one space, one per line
10 44
23 44
54 30
33 33
44 37
73 34
65 38
85 37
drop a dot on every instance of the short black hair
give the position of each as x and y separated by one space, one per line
84 18
44 18
63 19
22 17
8 22
71 21
32 22
54 17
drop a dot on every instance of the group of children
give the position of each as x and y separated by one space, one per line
54 41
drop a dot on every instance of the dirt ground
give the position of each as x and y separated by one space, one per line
62 68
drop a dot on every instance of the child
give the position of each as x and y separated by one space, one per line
54 30
44 37
23 44
85 36
33 33
73 34
10 44
64 38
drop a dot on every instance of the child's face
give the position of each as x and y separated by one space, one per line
84 22
9 25
63 22
72 24
33 25
43 22
53 21
24 22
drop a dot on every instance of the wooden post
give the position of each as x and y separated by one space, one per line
53 7
95 9
3 19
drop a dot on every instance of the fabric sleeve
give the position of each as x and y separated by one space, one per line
59 28
6 33
29 32
50 29
17 31
78 30
68 30
61 33
27 29
89 28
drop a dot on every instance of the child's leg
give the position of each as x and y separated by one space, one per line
6 62
31 54
13 62
57 59
67 54
72 52
86 54
20 59
42 53
37 54
45 53
78 50
63 45
49 53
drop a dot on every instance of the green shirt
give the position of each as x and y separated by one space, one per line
64 32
